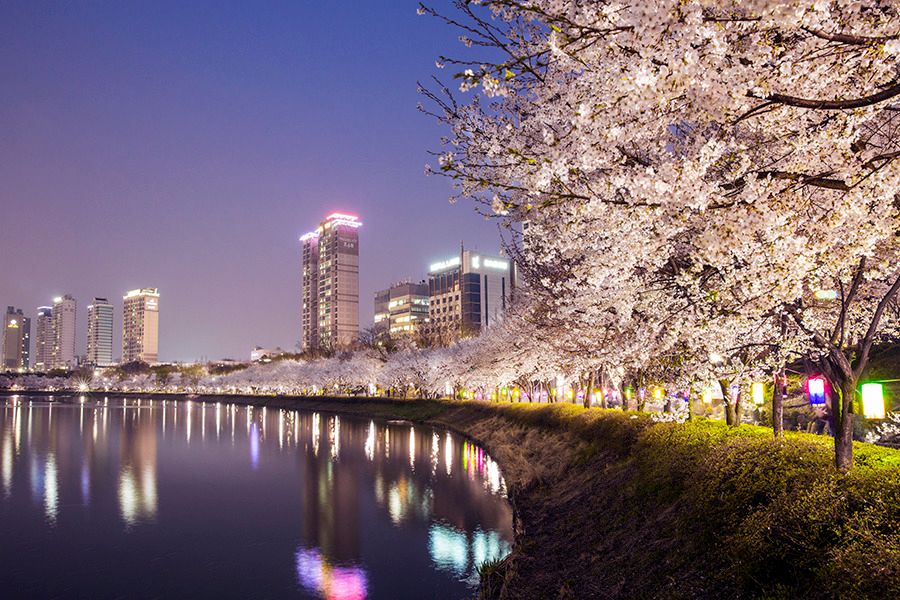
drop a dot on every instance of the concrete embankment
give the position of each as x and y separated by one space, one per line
614 505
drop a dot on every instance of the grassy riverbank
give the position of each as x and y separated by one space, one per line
613 505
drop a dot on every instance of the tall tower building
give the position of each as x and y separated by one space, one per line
330 288
63 351
100 333
16 340
44 339
140 330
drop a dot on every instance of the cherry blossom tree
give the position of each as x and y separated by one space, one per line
695 166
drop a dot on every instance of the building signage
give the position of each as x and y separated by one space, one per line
440 266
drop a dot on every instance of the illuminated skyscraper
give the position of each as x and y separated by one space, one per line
16 340
140 326
63 350
43 339
330 287
100 333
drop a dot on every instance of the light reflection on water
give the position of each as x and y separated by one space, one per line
340 496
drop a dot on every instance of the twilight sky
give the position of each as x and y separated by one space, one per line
187 145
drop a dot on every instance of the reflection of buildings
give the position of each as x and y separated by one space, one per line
137 469
331 491
332 582
106 456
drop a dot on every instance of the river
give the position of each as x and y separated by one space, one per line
139 498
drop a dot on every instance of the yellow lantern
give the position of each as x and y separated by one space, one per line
758 393
873 400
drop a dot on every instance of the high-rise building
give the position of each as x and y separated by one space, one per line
330 288
16 340
100 333
468 292
44 339
140 327
402 309
63 351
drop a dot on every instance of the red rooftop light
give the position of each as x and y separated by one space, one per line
340 216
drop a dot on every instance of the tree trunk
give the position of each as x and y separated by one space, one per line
842 417
778 405
732 412
587 392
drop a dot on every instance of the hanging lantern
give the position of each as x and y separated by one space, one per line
816 388
657 393
707 396
873 400
758 394
735 393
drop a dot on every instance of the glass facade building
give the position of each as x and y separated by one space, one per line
402 309
62 353
43 339
468 292
140 326
16 340
100 333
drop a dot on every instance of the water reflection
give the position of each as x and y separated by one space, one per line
344 494
329 581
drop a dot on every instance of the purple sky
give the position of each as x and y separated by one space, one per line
187 146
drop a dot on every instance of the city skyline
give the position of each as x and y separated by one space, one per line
191 146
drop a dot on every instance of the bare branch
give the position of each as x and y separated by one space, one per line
843 38
889 92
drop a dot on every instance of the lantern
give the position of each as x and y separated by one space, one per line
873 400
758 394
816 388
707 396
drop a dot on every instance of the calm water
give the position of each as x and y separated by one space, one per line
140 499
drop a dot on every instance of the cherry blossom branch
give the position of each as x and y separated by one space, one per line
866 344
844 38
889 92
